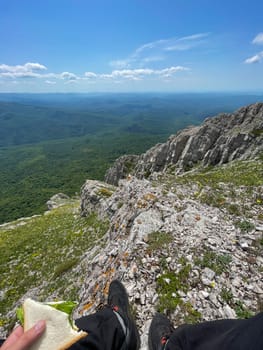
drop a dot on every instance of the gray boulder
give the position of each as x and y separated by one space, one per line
57 200
121 169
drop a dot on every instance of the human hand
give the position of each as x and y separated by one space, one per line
20 340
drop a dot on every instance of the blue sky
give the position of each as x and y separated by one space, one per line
131 45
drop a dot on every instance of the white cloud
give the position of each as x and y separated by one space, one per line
258 39
50 82
19 75
255 59
71 82
90 75
150 46
153 59
159 50
35 70
194 37
186 43
168 72
120 64
21 71
139 74
34 66
132 74
173 44
68 76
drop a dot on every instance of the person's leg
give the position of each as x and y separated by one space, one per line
104 331
160 332
217 335
111 328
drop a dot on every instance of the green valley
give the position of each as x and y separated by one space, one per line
52 143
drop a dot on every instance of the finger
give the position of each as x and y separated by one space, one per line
13 337
29 337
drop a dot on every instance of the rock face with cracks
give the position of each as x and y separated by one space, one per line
174 250
217 141
159 238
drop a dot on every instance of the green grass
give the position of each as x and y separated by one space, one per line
105 192
239 173
241 311
45 248
227 295
232 187
158 239
245 226
219 263
169 284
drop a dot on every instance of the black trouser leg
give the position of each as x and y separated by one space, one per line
104 331
219 335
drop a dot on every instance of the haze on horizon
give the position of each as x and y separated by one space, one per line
131 46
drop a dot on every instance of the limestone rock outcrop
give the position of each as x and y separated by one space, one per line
57 200
95 198
122 167
217 141
156 233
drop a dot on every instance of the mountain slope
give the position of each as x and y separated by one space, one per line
218 140
189 245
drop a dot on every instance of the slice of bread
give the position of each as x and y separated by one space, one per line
59 334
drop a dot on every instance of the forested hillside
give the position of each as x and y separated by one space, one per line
52 143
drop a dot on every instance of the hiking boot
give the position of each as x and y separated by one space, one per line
160 331
118 300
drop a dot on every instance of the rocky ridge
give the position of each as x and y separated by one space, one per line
189 245
217 141
174 253
185 248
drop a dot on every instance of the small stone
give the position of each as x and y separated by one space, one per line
137 296
257 289
236 282
204 294
208 273
143 299
155 298
244 245
130 288
114 252
213 299
214 219
228 312
181 294
167 280
207 276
